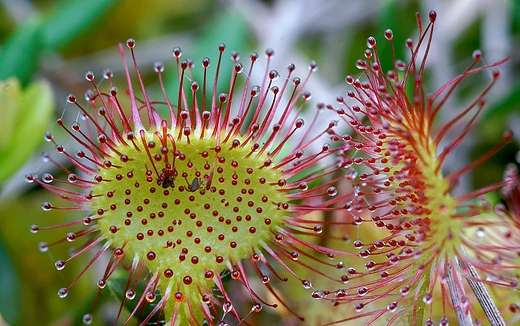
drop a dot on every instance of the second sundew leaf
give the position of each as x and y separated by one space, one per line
72 18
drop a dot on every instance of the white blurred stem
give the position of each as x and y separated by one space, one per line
483 296
454 281
19 11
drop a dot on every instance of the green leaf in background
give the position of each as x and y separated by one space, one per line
10 301
118 286
402 28
19 54
10 97
25 114
229 28
507 104
71 18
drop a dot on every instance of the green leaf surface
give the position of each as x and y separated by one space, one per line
10 96
72 18
402 28
10 300
19 55
28 124
228 28
118 287
508 103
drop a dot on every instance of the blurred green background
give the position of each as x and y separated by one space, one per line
49 45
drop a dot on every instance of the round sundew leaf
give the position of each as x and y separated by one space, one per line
188 201
180 221
28 122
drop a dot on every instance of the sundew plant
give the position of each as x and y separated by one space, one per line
437 254
185 199
194 192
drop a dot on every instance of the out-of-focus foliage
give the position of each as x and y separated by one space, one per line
21 111
57 41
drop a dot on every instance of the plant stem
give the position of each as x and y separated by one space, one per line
454 281
483 296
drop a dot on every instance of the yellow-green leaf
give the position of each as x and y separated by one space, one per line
24 120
